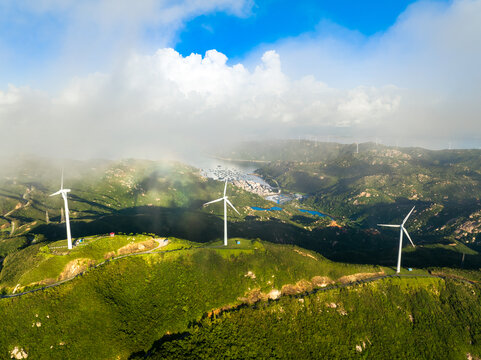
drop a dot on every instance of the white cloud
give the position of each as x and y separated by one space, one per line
92 35
147 12
167 101
369 103
418 79
431 46
432 53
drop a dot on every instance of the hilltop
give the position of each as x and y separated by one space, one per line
356 191
125 305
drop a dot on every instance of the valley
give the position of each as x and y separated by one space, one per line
148 275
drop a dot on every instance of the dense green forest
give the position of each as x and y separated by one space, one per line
379 184
388 319
124 306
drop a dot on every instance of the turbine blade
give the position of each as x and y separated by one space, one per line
387 225
213 201
56 193
232 206
225 187
406 232
406 218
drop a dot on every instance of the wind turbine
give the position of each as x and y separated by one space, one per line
226 201
401 230
64 192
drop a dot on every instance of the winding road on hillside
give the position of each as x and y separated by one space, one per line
163 242
160 241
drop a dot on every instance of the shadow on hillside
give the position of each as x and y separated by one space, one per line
349 245
89 202
304 220
177 222
158 345
388 213
440 257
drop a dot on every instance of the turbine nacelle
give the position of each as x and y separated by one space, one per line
403 229
61 191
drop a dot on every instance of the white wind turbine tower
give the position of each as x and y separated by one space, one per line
226 201
64 192
401 230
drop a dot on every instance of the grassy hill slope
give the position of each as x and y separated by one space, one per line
124 306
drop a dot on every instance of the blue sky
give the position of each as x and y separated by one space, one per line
32 38
271 20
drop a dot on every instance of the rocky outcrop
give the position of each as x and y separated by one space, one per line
18 353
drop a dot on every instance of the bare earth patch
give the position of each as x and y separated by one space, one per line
334 224
75 267
109 255
274 294
137 247
321 281
300 287
254 296
18 353
305 254
303 286
359 276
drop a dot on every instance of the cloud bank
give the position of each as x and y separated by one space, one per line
162 103
432 53
416 84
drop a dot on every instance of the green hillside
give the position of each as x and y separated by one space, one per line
388 319
379 184
124 306
358 191
132 295
40 264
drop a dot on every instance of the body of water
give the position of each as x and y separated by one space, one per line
274 208
313 212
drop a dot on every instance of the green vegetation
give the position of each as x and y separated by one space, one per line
380 184
10 245
389 319
127 304
193 297
43 264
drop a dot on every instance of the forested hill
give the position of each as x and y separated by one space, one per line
388 319
379 183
